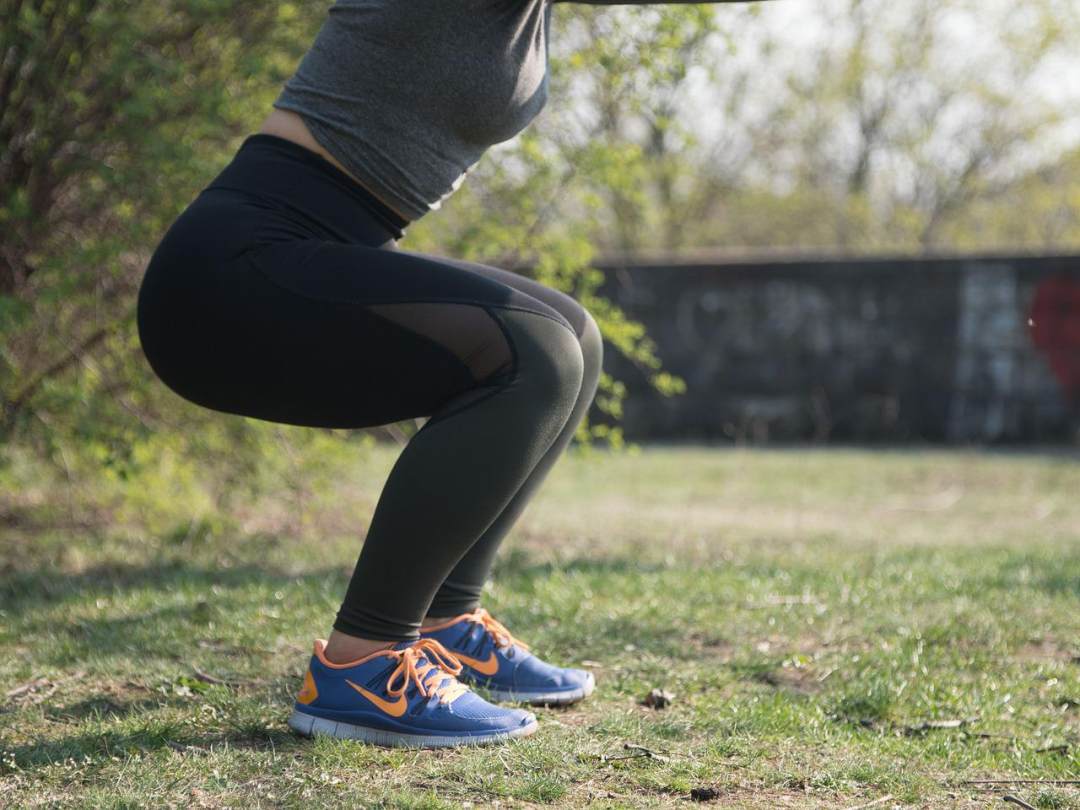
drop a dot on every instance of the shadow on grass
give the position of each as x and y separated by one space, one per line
520 563
99 746
101 707
149 633
30 589
1055 575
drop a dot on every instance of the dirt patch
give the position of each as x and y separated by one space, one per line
1048 649
116 698
711 645
39 689
805 680
750 797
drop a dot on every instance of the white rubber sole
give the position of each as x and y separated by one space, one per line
544 698
309 725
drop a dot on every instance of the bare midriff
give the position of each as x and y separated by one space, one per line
289 125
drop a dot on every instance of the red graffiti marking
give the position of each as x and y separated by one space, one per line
1054 321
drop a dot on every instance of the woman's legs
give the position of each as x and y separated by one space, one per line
455 476
320 333
460 592
279 295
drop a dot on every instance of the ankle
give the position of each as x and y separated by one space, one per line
343 649
431 621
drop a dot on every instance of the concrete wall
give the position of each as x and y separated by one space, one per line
954 349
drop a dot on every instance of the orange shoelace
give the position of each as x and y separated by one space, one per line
502 636
430 666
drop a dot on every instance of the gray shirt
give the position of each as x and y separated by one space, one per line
408 94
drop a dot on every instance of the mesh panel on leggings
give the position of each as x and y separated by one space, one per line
467 330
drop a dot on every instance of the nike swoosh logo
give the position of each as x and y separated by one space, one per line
395 709
489 667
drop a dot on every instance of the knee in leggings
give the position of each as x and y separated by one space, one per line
592 344
546 368
585 327
549 358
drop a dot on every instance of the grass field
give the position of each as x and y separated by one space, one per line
836 626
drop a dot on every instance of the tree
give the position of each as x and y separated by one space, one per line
887 123
112 116
838 124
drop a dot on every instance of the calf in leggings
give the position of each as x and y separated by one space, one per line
280 293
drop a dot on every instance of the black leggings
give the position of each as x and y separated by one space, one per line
280 294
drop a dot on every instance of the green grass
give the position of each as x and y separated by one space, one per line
813 611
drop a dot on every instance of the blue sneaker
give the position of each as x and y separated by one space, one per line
405 696
494 659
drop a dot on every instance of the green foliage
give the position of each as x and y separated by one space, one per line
851 125
114 115
106 152
668 127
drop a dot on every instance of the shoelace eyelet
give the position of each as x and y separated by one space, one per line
490 625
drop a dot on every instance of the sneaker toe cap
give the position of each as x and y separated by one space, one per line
536 674
473 709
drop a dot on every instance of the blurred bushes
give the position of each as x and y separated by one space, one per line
667 127
113 115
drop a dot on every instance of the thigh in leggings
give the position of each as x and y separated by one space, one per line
319 333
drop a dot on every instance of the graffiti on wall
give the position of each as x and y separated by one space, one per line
966 349
990 339
1054 324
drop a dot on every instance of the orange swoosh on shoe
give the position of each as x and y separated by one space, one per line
395 709
489 667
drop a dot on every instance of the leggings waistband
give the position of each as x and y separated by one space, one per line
276 167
